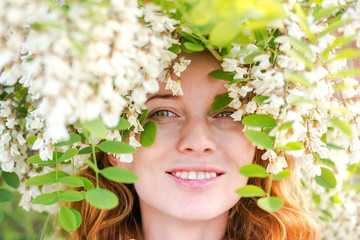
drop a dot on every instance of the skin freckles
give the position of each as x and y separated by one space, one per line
191 137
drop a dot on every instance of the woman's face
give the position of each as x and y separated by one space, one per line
191 171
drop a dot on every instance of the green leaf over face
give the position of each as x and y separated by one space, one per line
259 120
11 179
221 102
6 195
47 198
326 179
147 137
221 74
96 127
118 174
270 204
67 219
260 139
102 198
116 147
253 170
74 138
250 191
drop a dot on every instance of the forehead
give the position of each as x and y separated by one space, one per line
195 80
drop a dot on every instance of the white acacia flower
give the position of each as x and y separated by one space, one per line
264 61
174 86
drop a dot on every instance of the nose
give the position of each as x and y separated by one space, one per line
196 137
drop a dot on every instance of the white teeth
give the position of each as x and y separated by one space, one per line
184 175
192 175
201 175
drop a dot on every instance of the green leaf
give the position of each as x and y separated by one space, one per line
68 154
72 181
74 138
77 217
326 179
324 13
47 198
96 127
333 26
291 146
192 47
102 198
1 215
348 73
295 77
326 162
221 74
6 195
118 174
87 183
250 191
260 99
91 165
260 139
342 126
72 196
259 120
270 204
45 179
237 80
147 137
250 57
175 48
31 139
284 174
222 34
221 102
11 179
67 219
286 125
116 147
302 47
253 170
87 150
35 159
142 116
348 53
123 124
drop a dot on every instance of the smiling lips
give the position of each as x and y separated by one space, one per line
195 179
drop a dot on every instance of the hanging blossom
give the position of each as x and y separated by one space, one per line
75 63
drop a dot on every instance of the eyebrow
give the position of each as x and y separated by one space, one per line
162 96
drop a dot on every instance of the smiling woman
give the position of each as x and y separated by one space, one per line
188 177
